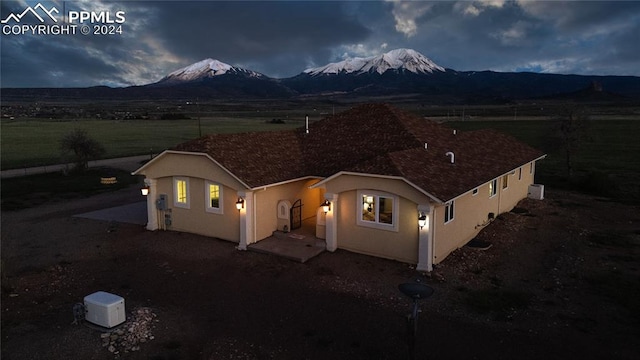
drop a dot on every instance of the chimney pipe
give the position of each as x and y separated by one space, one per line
306 124
452 156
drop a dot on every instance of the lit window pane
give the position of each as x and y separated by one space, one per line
368 208
214 195
181 186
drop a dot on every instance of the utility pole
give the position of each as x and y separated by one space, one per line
199 124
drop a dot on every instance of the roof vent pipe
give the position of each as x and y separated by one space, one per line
425 146
452 156
306 124
455 132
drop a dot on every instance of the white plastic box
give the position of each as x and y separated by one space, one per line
104 309
536 192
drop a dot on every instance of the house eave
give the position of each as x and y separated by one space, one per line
141 169
486 182
262 187
419 189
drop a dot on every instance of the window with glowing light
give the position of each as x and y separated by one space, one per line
213 201
181 192
378 210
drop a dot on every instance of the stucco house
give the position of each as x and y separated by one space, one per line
393 184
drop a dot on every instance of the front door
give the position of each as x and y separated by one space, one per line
296 215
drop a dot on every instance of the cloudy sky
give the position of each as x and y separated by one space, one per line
283 38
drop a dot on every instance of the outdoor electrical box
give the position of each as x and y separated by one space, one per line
104 309
161 203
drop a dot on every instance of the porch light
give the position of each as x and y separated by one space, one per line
145 191
240 203
326 206
422 219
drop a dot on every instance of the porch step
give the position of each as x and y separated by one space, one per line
287 235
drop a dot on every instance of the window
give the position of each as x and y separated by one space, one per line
448 212
475 192
493 188
379 210
505 182
213 201
181 192
520 174
531 168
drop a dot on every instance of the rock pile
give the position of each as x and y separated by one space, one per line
135 331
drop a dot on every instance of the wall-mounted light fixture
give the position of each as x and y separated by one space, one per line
240 203
145 191
326 206
422 219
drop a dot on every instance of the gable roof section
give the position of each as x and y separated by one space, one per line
370 139
258 158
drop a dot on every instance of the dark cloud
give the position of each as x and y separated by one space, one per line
266 32
282 38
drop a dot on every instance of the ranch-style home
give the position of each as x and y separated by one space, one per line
375 179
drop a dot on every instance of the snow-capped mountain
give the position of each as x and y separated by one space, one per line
398 59
204 69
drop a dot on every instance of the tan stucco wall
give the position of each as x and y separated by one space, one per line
471 212
401 245
196 219
266 203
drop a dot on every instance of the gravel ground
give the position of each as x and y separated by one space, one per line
560 281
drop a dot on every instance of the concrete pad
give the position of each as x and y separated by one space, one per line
135 213
295 247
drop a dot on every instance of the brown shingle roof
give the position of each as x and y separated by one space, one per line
373 139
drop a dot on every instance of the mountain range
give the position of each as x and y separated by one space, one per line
397 72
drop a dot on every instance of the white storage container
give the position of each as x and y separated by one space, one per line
104 309
536 192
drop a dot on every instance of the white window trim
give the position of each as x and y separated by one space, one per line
207 200
176 203
375 224
493 187
447 210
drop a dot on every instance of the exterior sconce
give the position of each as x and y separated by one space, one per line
145 191
326 206
422 219
240 203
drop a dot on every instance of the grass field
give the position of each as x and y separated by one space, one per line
35 142
607 160
609 152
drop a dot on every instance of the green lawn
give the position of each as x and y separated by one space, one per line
610 150
34 142
609 153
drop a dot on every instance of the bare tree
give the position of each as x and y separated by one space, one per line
572 128
82 147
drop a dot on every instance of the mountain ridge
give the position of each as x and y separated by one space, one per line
397 72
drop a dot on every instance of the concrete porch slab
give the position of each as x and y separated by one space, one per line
294 247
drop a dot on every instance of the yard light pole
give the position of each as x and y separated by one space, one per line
416 291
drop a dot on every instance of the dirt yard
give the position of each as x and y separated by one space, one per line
560 281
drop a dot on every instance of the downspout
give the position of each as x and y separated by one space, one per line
433 235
